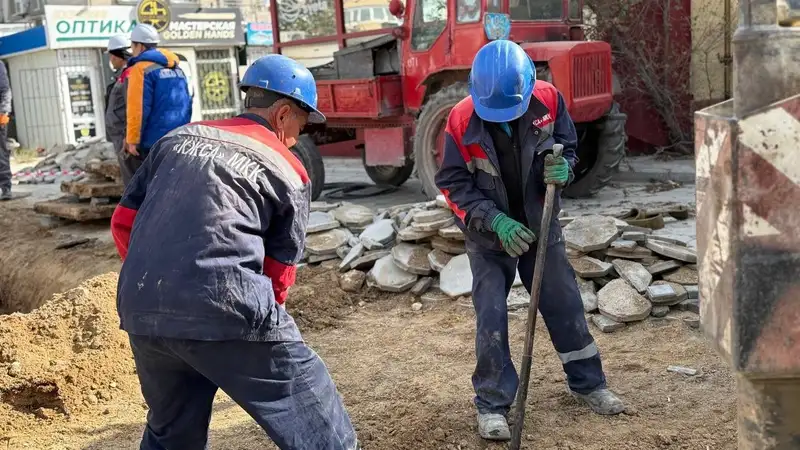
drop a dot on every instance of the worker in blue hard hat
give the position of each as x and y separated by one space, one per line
497 162
210 229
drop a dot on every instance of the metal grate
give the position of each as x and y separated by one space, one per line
590 75
216 77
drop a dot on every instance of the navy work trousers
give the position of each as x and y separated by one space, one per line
284 386
495 379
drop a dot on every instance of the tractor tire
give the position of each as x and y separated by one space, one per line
601 148
429 134
388 175
307 152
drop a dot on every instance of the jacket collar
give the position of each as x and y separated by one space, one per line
476 129
257 119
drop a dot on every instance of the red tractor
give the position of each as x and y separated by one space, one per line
390 95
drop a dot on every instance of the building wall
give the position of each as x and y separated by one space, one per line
708 48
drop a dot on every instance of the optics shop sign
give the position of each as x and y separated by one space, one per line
181 25
81 27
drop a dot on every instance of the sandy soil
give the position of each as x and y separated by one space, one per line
405 376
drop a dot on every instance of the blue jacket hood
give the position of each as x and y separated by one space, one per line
157 55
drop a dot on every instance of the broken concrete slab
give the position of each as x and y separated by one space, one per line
388 276
680 292
588 233
326 242
422 286
321 221
659 311
409 234
448 245
352 281
368 259
606 324
634 273
672 251
354 253
588 267
452 232
432 226
692 291
434 295
412 258
624 245
621 302
518 298
378 234
638 253
663 266
432 215
683 275
438 259
324 206
456 277
353 216
636 236
588 295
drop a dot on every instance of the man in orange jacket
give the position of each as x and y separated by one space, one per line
5 153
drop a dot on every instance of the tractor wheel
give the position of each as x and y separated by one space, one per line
601 148
429 134
307 152
388 175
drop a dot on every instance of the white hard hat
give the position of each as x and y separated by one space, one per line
119 42
145 34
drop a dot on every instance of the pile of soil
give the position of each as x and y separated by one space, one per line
66 357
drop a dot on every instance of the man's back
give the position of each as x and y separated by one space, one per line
158 97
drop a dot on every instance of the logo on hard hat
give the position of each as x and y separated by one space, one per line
155 13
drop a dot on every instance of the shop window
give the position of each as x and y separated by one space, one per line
535 9
299 19
469 11
430 19
218 97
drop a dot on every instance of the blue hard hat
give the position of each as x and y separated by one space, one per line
285 76
501 81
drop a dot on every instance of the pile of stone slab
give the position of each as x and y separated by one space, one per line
67 162
627 273
92 196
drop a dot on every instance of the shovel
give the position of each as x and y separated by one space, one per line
536 284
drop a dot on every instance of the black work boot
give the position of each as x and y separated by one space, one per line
6 194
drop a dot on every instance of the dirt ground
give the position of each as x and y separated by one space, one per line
404 376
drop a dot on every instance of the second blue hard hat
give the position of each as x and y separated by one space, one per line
285 76
501 81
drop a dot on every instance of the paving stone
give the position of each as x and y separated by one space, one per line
588 267
624 245
441 202
637 253
326 242
693 292
690 305
589 233
435 295
353 216
659 311
448 245
619 301
432 215
683 275
342 251
606 324
409 234
324 206
682 241
388 276
368 259
661 294
321 258
634 273
378 234
422 286
438 259
409 217
672 251
574 254
636 236
680 292
354 253
352 281
412 258
321 221
635 228
433 226
518 298
452 232
456 277
588 295
663 266
682 370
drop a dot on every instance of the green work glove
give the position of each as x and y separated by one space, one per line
516 237
556 170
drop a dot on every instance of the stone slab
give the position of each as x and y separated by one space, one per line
412 258
452 232
432 215
321 221
680 293
378 234
342 251
68 208
353 216
438 259
692 291
635 236
663 266
690 305
588 295
456 278
368 259
606 324
588 267
323 206
321 258
638 253
682 241
354 253
388 276
634 273
624 246
659 311
683 275
622 303
672 251
326 242
432 226
88 190
448 245
409 234
518 298
661 294
422 286
441 202
588 233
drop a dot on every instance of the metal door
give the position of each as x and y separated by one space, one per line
217 80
